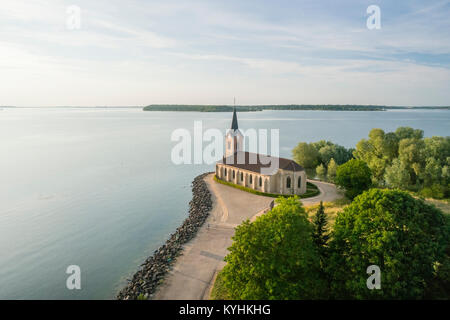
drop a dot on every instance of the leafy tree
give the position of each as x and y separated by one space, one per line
404 236
274 257
306 155
435 191
437 148
321 171
328 150
326 153
408 133
411 154
390 146
377 152
331 171
432 173
397 176
354 176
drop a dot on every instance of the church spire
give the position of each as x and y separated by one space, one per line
234 123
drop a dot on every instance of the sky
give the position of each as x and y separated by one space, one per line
141 52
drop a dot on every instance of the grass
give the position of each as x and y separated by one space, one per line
219 292
444 205
311 190
331 209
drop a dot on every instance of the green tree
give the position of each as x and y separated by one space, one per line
326 153
411 152
408 133
306 155
328 150
378 152
274 257
437 148
404 236
331 171
321 171
320 235
432 173
397 175
354 176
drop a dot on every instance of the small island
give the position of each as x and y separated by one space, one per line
292 107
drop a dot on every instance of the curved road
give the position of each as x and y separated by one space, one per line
192 276
328 192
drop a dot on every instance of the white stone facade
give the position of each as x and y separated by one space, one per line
283 182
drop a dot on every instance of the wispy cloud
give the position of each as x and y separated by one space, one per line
175 52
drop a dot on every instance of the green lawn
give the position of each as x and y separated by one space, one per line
219 291
311 190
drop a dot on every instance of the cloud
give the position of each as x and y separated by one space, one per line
204 51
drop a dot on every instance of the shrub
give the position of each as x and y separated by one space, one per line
404 236
274 257
354 176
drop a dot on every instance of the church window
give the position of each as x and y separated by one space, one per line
288 182
299 182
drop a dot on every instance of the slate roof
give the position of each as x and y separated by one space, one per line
234 123
252 162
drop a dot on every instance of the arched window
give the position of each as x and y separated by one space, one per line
225 172
251 179
234 174
299 185
260 182
288 182
242 176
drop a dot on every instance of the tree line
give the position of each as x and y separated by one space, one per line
327 107
402 159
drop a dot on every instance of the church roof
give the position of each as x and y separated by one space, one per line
252 162
234 123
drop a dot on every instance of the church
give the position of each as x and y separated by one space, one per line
247 169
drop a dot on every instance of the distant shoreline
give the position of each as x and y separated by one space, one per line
254 108
241 108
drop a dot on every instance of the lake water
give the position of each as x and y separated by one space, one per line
96 187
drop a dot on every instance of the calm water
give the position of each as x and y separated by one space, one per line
96 188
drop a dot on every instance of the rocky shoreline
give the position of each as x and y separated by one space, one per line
145 281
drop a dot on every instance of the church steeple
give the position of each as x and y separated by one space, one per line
234 137
234 123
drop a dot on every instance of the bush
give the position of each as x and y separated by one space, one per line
404 236
355 176
274 257
436 191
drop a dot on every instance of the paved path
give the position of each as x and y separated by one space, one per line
193 273
328 192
